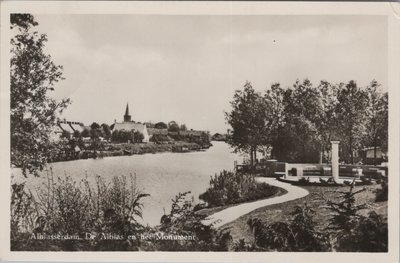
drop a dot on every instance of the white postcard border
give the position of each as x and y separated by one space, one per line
391 10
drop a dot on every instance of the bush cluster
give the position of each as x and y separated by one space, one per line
184 221
382 193
231 188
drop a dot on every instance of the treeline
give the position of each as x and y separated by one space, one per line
122 136
296 124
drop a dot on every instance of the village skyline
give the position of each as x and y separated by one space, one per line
168 71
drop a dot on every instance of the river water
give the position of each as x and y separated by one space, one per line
162 175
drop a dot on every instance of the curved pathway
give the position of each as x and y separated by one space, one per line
232 213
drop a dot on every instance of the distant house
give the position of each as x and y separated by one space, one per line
367 155
219 137
129 125
77 126
191 133
154 131
65 126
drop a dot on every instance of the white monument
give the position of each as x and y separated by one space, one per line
335 161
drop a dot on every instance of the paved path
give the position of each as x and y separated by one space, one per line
232 213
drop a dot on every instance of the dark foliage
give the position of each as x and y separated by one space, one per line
231 188
184 221
299 234
382 193
353 231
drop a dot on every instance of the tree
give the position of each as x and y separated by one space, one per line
66 135
137 137
248 121
302 108
352 119
106 131
95 126
327 124
33 113
94 134
77 134
173 126
377 133
85 133
115 136
161 125
183 127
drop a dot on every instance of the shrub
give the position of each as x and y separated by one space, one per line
184 221
382 193
352 231
304 181
231 188
159 138
299 234
365 180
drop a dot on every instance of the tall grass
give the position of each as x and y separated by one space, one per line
65 206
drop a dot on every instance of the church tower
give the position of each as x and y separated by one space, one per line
127 117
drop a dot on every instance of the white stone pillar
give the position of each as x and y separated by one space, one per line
335 161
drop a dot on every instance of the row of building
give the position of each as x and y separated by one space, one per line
127 125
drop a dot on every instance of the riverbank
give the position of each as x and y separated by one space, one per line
127 149
143 148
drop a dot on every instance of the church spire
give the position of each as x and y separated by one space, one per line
127 117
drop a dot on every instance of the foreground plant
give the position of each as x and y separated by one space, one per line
184 222
300 234
350 230
66 207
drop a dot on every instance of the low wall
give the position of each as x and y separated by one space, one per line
345 170
275 168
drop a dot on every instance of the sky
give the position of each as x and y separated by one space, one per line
186 68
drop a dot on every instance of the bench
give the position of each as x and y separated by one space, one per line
312 171
280 174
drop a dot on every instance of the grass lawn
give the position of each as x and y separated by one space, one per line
282 212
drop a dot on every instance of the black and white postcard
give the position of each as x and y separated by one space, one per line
200 131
